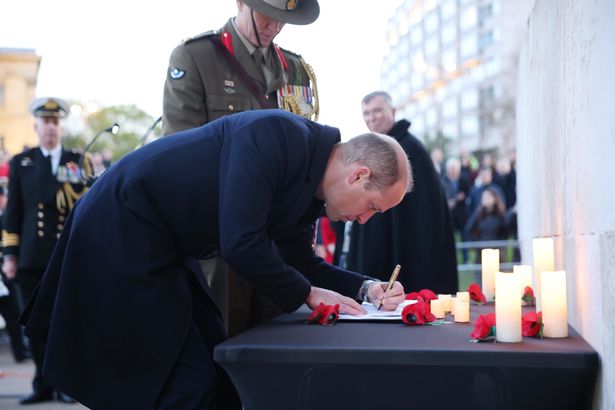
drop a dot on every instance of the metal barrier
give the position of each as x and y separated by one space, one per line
475 268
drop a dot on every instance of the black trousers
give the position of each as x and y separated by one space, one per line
10 308
27 280
196 381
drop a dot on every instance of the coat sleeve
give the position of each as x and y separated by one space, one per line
183 102
11 234
252 170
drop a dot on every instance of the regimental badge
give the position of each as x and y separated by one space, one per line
291 4
176 73
229 86
25 162
69 173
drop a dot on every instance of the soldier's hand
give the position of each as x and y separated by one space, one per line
9 267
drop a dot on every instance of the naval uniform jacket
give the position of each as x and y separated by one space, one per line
201 86
116 301
37 206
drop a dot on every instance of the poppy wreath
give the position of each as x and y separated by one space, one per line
324 314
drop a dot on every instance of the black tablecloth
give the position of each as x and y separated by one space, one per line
287 364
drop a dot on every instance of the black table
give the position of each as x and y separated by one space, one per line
286 364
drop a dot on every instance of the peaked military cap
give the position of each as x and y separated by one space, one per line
287 11
49 107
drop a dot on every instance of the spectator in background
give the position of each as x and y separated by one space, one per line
98 164
469 167
506 179
488 222
418 233
10 305
437 158
456 190
483 181
107 157
4 167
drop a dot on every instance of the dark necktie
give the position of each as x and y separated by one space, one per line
48 168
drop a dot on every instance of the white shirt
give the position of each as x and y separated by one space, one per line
56 155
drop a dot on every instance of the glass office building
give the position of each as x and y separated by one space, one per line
451 69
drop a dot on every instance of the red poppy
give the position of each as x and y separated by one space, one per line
417 313
484 327
412 296
476 294
324 314
427 294
528 296
531 324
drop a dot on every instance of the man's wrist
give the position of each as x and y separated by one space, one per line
362 297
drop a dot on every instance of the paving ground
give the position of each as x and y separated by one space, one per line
16 381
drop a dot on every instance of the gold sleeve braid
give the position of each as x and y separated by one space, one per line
290 103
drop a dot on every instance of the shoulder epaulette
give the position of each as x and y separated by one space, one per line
290 52
200 36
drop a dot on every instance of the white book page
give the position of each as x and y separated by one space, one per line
374 314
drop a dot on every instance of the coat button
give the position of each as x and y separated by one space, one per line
40 214
231 107
267 96
40 224
61 218
60 226
58 235
41 233
40 206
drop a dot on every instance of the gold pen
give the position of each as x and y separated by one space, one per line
391 281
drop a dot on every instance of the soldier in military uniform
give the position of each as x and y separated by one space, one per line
240 68
44 183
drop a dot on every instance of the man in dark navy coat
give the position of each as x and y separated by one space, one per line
44 184
129 319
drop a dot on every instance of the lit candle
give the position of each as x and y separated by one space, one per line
525 276
507 307
453 301
446 302
490 259
463 296
543 261
437 308
462 311
554 319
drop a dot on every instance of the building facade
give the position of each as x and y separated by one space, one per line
452 69
18 75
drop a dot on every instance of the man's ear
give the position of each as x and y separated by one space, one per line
361 173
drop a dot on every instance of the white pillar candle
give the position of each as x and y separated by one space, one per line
525 276
437 308
463 296
554 318
543 261
453 300
462 311
507 307
446 302
490 264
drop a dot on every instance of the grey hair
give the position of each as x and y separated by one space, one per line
375 94
378 153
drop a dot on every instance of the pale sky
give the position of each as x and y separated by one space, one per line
116 52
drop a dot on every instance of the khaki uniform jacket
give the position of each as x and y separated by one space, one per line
201 86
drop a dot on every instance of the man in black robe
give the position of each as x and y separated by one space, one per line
418 233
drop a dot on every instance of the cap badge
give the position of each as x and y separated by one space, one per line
291 4
176 73
50 105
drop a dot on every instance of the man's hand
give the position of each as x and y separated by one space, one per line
9 267
390 300
328 297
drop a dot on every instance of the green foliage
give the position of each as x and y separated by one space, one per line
133 123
